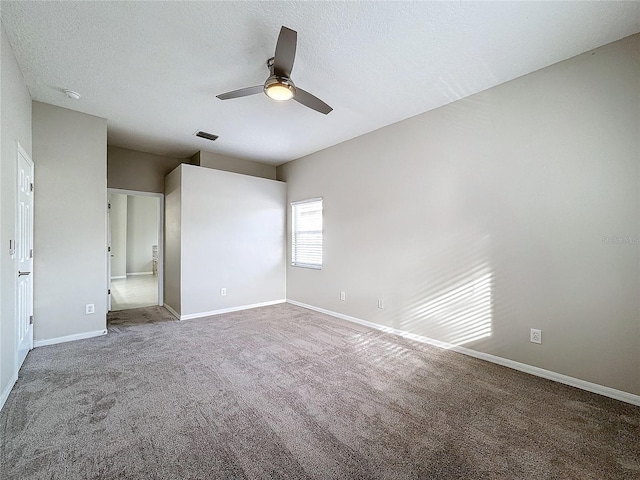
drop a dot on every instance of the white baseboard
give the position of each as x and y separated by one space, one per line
119 277
138 273
229 310
522 367
172 311
68 338
7 390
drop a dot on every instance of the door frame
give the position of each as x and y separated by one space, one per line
160 196
21 151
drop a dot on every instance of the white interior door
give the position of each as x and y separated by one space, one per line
24 257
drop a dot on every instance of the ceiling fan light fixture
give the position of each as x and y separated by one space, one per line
280 91
279 86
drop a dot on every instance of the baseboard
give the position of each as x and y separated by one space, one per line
172 311
68 338
119 277
138 273
7 390
522 367
229 310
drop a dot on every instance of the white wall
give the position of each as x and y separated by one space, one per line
517 186
142 233
118 234
232 230
70 151
15 113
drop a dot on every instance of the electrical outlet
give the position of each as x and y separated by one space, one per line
223 292
89 308
380 304
343 296
536 336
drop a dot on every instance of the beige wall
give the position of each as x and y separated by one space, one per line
224 230
139 171
118 214
70 263
142 232
15 108
484 218
232 164
145 172
172 246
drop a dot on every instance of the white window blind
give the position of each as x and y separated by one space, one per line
306 241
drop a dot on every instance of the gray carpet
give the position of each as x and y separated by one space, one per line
283 392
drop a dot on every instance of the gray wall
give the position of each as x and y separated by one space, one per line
484 218
232 231
15 113
142 232
232 164
145 172
172 237
118 234
70 263
139 171
134 232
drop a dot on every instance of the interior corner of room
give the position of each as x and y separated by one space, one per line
471 226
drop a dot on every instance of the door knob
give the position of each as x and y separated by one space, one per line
20 274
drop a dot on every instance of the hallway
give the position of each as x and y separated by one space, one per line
134 292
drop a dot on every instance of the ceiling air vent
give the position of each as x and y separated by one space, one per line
208 136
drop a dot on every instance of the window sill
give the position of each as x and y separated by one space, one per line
311 267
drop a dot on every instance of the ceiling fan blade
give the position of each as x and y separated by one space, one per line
243 92
285 52
311 101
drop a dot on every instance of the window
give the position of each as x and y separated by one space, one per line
306 233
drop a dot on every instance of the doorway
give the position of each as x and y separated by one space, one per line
135 249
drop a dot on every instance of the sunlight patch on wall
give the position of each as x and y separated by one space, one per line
462 313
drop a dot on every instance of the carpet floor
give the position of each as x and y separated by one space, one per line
282 392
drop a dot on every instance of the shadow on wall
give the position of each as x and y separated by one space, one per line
459 312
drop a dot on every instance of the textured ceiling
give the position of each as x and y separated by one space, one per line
153 69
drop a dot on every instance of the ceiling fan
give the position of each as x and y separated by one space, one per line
279 85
